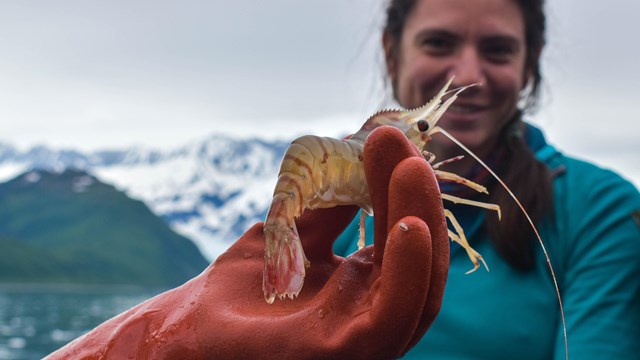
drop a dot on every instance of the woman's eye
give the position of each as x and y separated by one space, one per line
436 45
499 52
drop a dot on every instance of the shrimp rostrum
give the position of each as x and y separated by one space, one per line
322 172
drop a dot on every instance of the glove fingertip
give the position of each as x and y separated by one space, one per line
413 190
405 279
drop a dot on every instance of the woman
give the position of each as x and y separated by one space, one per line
585 214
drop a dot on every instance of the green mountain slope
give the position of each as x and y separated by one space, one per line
71 228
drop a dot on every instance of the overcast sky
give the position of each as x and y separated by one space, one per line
90 74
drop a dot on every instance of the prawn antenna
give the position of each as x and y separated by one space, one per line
535 230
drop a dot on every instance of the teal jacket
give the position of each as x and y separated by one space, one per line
594 247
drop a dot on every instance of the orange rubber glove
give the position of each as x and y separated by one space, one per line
375 304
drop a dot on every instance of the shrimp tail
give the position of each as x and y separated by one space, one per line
284 259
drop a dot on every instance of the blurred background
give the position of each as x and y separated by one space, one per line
139 139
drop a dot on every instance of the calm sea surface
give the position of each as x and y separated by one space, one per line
36 320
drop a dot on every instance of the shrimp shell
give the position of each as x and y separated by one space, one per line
322 172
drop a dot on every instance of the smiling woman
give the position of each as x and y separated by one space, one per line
583 213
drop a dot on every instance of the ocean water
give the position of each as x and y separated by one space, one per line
36 320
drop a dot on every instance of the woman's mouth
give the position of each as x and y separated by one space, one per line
464 109
463 117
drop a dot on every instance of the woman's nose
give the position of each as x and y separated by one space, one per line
467 68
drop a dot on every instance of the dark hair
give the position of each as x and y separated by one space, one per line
529 179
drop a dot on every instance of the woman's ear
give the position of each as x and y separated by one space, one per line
390 48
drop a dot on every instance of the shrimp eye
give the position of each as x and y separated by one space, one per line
423 125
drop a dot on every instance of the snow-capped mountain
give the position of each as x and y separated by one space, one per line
210 191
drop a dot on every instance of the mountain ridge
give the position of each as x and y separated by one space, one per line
209 191
69 227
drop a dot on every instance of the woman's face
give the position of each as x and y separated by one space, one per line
478 42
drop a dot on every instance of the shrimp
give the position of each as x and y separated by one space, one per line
322 172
